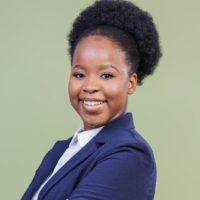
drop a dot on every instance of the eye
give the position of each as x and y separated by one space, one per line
107 76
78 75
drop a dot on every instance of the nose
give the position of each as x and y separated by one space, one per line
91 85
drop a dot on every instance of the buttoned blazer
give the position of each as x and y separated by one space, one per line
117 164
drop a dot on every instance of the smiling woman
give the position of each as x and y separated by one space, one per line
113 46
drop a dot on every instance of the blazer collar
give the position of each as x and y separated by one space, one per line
115 127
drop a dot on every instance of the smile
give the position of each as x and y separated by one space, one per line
93 103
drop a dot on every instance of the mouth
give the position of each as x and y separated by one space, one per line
92 104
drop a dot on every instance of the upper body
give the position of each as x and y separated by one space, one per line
116 164
113 45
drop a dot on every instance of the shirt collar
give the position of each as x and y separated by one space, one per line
83 137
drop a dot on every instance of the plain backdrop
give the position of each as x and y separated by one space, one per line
34 106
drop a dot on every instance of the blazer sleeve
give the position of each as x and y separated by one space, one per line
123 175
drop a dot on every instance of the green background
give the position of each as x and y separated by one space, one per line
35 109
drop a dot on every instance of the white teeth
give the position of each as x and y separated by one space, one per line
92 103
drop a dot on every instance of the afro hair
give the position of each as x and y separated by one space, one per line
127 17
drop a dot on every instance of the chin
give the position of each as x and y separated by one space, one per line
94 121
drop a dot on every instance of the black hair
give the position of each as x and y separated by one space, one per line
128 26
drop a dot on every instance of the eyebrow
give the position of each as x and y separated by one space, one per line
102 67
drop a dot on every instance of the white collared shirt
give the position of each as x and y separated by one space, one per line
79 140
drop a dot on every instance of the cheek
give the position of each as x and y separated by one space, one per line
73 88
116 91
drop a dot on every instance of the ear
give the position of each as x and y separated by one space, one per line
132 85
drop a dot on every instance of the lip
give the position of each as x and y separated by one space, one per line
91 99
92 107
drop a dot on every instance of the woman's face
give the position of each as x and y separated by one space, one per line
100 81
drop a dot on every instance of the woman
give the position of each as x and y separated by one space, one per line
114 45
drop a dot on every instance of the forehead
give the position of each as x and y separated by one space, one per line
98 50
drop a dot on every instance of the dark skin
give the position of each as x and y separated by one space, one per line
100 81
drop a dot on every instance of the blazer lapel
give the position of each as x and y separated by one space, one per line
46 167
85 152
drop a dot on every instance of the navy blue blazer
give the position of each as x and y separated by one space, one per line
117 164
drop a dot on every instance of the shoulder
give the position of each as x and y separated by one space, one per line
132 146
